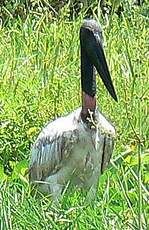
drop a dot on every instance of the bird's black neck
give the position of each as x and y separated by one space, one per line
88 78
88 85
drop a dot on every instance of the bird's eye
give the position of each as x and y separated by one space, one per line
99 38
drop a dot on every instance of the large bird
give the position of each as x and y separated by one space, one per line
77 148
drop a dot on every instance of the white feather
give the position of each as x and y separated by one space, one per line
67 151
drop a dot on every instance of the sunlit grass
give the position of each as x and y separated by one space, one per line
40 80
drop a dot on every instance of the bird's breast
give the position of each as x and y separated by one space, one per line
86 157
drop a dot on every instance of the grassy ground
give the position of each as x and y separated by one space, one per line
40 80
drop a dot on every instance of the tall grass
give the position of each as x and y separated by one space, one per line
39 81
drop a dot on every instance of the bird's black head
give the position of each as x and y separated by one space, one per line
92 55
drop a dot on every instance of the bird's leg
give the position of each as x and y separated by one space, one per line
55 189
91 194
57 181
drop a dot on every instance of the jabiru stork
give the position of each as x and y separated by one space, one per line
77 148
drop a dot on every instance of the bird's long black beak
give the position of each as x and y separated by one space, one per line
91 43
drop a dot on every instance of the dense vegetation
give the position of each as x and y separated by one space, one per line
40 80
11 9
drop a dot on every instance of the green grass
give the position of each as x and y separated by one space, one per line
40 80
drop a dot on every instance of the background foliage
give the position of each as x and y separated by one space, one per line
11 9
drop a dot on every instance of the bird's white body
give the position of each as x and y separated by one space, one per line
67 151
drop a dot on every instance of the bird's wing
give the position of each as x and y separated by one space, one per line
51 148
108 131
107 151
